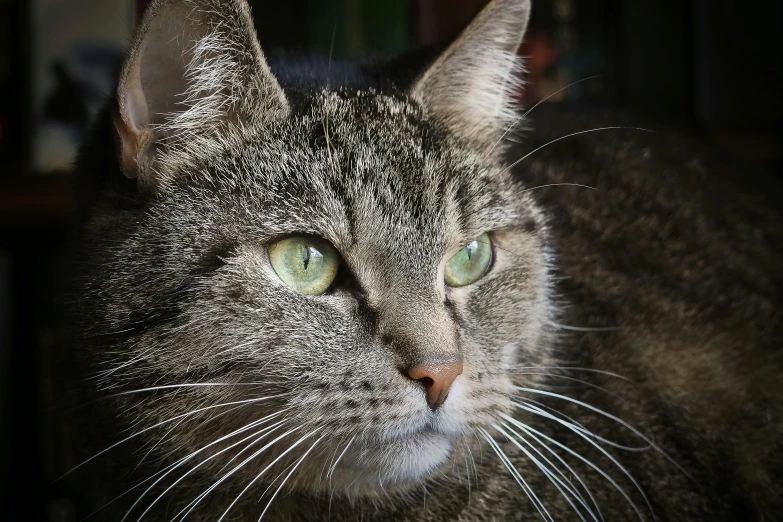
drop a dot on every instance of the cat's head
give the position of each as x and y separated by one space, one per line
343 274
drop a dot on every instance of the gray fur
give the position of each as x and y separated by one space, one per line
179 291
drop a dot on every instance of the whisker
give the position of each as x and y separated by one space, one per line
556 185
175 426
115 499
585 328
163 437
614 461
515 474
585 405
527 112
609 416
187 385
542 100
265 431
168 468
475 469
533 432
239 454
564 463
283 454
192 505
536 405
523 158
564 481
572 368
199 410
550 476
565 377
298 462
334 464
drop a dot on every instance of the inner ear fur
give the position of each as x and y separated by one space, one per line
194 67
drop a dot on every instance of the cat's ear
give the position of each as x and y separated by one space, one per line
470 87
195 67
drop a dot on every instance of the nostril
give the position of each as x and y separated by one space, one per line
428 382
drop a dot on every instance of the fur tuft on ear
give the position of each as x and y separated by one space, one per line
470 88
195 66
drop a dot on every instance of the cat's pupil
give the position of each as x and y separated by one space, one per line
470 248
306 256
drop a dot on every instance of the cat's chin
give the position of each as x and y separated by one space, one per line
396 464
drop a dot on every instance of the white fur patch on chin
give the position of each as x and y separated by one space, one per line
413 458
391 465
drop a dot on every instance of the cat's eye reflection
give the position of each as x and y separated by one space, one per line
469 264
307 264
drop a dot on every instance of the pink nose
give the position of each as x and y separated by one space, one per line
436 375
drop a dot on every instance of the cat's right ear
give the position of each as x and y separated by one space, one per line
195 67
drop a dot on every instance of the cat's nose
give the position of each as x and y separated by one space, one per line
436 374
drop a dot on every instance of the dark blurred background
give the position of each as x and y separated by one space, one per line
709 68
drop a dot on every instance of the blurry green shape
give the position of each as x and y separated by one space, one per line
325 18
387 25
359 26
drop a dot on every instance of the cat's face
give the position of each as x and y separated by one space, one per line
398 185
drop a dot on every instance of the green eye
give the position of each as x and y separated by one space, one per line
306 264
469 264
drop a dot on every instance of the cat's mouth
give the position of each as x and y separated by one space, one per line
447 422
425 433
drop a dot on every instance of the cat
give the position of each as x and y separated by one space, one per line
389 297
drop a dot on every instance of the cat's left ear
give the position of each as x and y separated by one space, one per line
470 88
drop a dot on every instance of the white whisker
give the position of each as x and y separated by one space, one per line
187 385
516 122
532 431
283 454
265 431
564 463
516 475
556 185
571 368
523 158
334 464
609 416
535 405
547 473
564 377
298 462
556 481
585 328
542 100
199 410
192 505
599 448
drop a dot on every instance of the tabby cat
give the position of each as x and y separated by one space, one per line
356 293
